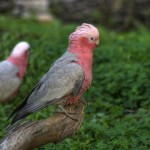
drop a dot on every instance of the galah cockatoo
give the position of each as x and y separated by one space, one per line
68 78
12 71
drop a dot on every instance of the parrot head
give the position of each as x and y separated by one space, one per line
84 38
19 57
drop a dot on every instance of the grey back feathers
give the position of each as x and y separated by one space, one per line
63 78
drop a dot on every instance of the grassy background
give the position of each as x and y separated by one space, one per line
121 83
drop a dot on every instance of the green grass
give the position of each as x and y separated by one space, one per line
121 83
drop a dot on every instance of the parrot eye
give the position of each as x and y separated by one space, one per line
91 39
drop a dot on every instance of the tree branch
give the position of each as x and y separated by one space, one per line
52 130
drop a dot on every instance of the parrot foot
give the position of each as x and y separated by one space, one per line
61 109
83 101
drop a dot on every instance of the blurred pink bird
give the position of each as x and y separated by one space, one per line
67 79
12 71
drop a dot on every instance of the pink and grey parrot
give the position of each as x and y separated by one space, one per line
68 78
12 71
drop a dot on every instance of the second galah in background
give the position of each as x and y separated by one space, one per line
12 71
68 78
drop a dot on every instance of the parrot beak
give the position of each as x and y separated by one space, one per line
26 53
97 42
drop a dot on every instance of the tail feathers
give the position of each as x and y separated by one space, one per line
29 109
17 109
22 112
11 127
18 117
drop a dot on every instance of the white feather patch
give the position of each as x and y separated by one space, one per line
20 48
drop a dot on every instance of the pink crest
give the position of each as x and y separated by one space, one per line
85 29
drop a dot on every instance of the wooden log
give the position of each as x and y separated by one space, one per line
54 129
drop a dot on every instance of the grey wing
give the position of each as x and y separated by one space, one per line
54 85
8 79
60 80
8 69
63 78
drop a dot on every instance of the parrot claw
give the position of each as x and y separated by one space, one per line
61 109
83 101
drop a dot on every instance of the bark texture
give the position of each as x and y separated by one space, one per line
52 130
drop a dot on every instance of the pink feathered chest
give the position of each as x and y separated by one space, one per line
87 79
86 65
